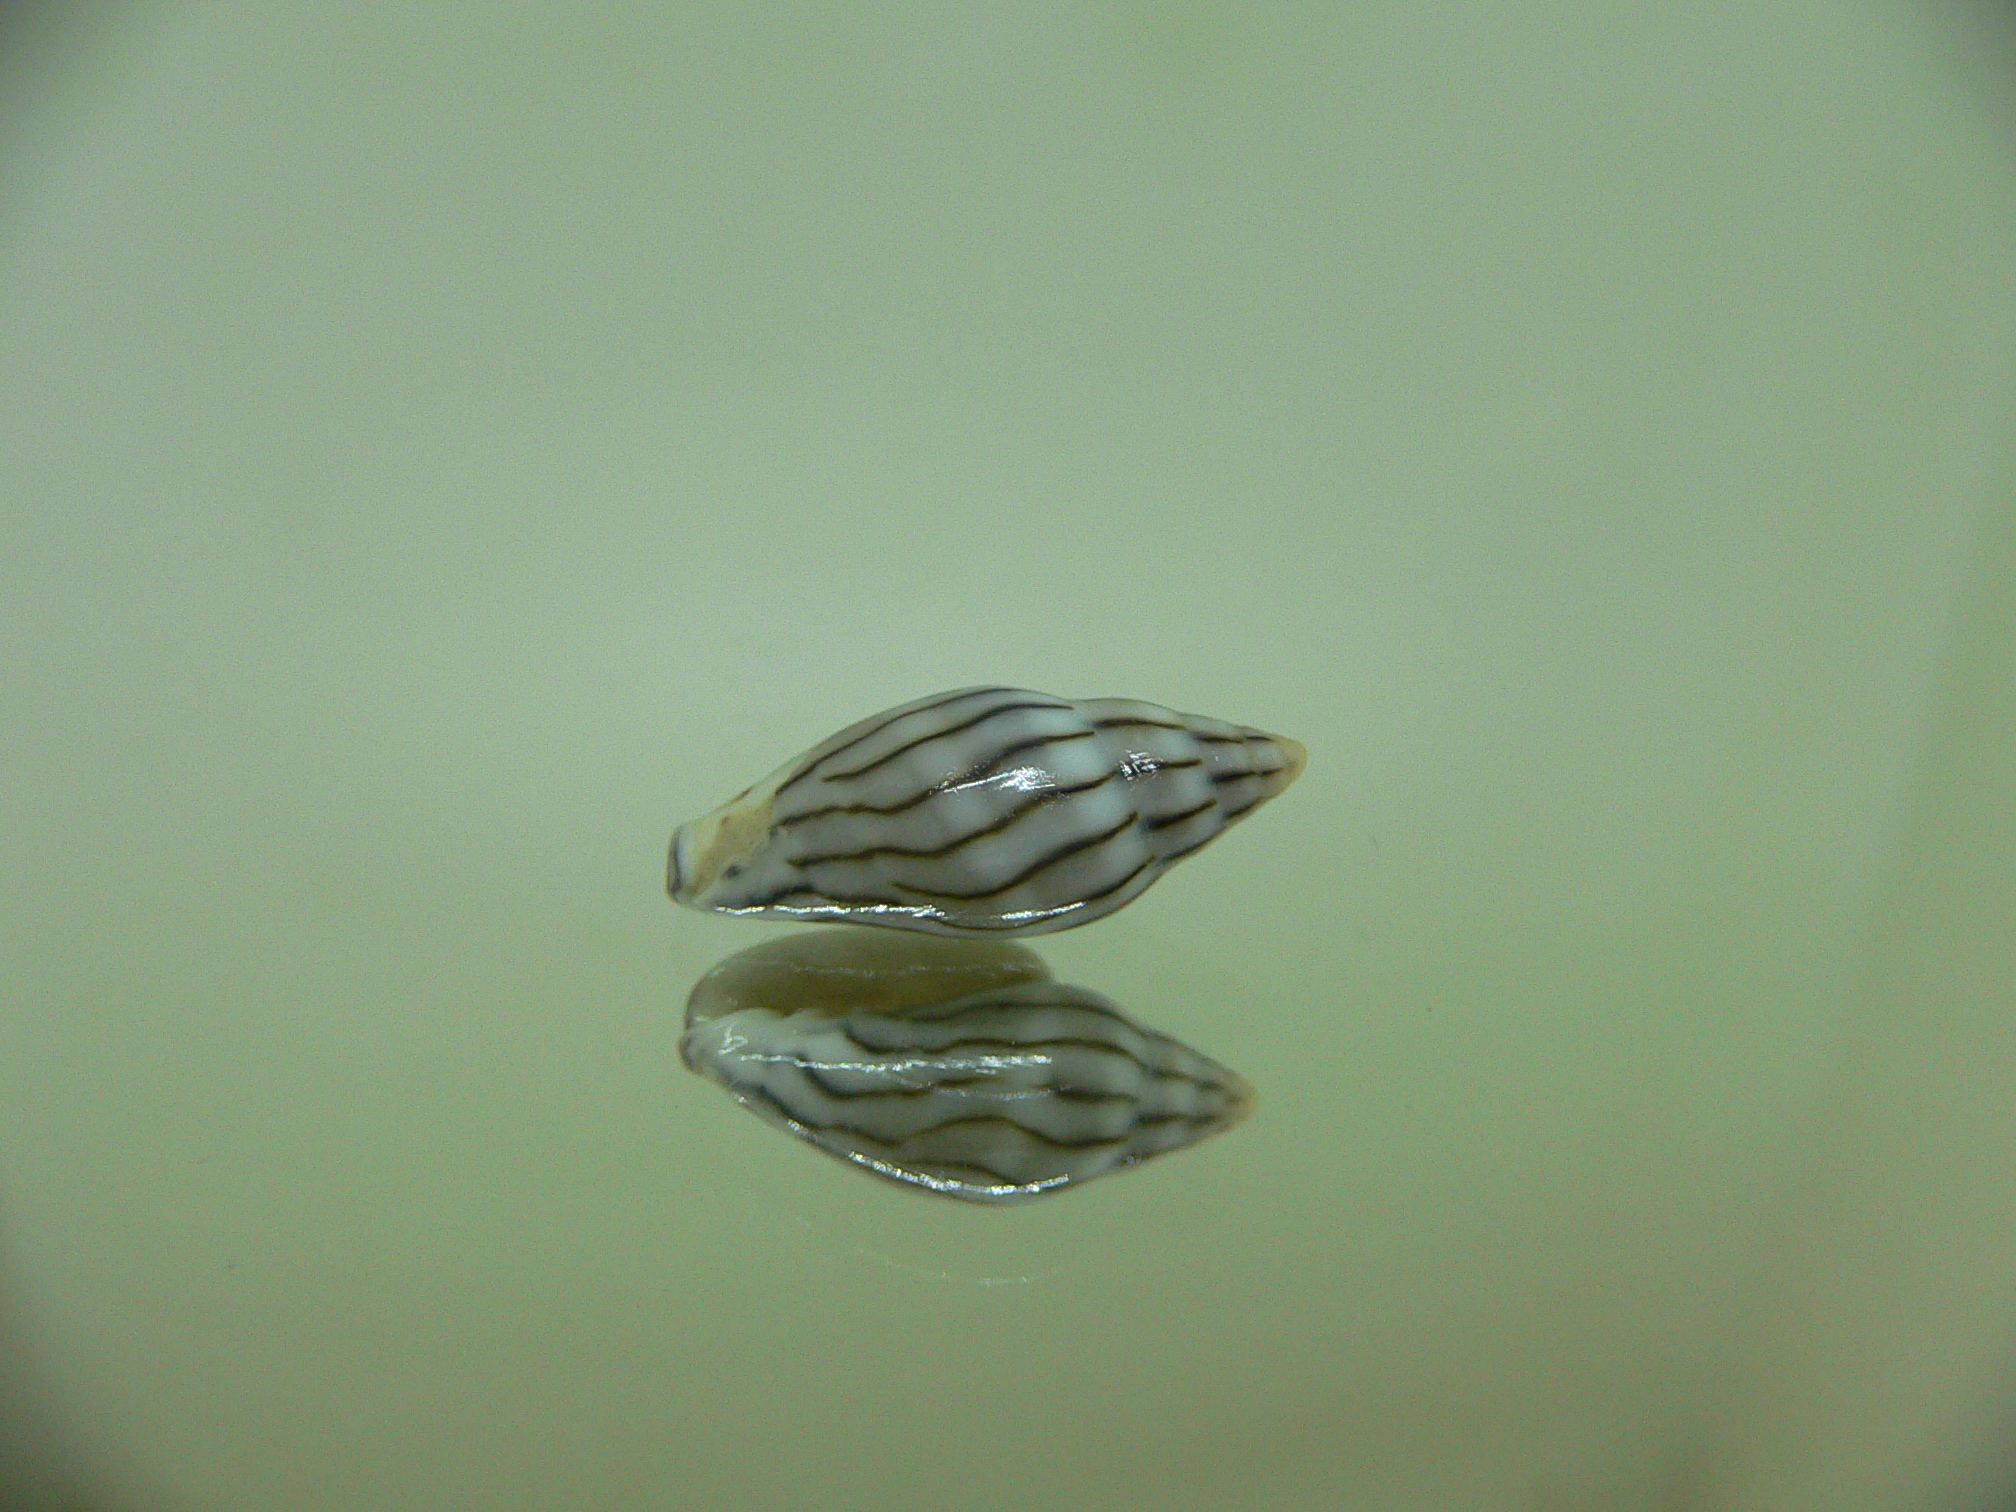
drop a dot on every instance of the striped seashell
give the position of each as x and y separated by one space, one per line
987 811
998 1095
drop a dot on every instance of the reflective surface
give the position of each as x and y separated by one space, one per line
424 430
991 1084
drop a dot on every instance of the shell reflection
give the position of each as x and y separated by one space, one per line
984 812
958 1068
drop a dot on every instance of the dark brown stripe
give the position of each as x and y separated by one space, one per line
1107 892
813 1075
1121 721
850 1027
993 1118
976 926
889 756
986 767
1205 807
1118 722
1039 800
807 1130
1062 853
820 756
798 1118
1036 1134
976 772
863 808
1221 778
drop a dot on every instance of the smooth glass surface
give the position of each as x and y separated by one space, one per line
442 448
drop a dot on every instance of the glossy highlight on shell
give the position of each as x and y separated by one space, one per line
968 1075
982 812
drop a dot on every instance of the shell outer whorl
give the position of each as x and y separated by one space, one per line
1023 1087
982 812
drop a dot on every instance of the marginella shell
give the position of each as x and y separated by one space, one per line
953 1067
988 811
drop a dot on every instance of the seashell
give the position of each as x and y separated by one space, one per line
988 811
998 1093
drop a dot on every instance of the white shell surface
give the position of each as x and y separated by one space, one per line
999 1095
985 811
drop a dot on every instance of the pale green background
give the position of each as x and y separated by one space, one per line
442 448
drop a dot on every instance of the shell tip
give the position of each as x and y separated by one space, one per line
1244 1096
1298 757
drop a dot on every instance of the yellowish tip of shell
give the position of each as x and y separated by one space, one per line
704 849
1297 754
1241 1098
